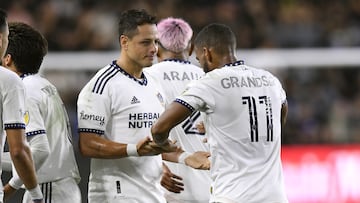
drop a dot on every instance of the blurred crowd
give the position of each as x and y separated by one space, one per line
324 104
91 24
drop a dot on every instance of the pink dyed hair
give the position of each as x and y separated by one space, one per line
174 34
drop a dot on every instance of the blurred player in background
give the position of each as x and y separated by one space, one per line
245 110
12 95
174 71
47 124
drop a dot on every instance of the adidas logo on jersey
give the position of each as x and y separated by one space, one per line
135 100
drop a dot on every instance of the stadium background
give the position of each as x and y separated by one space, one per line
311 45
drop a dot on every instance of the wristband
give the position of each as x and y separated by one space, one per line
182 157
35 193
15 183
131 150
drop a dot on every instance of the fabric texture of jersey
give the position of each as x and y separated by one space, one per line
65 190
12 109
243 125
122 109
46 114
174 75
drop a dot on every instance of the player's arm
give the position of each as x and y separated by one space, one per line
284 111
40 150
173 115
22 160
95 146
196 160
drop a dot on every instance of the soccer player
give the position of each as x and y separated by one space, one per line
47 124
12 112
174 71
245 109
116 110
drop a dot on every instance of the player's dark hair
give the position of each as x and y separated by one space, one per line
3 17
218 36
27 47
131 19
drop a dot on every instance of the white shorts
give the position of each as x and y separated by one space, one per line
221 200
61 191
172 199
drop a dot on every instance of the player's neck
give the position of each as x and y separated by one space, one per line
132 69
227 59
171 55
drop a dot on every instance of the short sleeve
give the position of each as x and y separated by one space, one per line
93 111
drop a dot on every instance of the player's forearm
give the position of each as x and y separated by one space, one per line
173 115
24 166
94 146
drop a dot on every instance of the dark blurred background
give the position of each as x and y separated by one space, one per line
324 101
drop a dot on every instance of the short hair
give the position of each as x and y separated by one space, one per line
3 22
174 34
131 19
27 47
218 36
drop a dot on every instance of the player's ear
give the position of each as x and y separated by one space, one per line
124 40
208 54
7 60
191 48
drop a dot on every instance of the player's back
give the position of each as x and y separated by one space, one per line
48 113
173 76
243 125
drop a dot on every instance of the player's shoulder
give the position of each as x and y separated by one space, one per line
9 77
102 79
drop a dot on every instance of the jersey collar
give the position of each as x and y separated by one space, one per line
237 63
178 61
143 77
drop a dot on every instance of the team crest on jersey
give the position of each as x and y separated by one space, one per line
160 98
26 117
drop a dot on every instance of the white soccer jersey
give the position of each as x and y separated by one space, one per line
122 109
174 75
12 96
46 114
243 124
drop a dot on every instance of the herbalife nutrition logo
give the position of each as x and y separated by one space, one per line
134 100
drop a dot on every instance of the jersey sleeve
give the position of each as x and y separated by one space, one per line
35 123
13 105
197 96
93 111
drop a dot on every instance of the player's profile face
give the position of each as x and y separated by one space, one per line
143 46
200 56
4 41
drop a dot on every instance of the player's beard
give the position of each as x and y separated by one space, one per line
206 67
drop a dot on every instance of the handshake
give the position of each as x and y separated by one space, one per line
170 152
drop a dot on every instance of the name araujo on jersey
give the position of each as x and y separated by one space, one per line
181 76
233 81
142 120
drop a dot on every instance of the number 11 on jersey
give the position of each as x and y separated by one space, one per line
263 102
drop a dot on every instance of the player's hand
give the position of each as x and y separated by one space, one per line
198 160
8 191
200 127
145 147
170 181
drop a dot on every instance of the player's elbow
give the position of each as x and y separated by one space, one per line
18 152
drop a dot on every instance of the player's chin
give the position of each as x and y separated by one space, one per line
148 61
